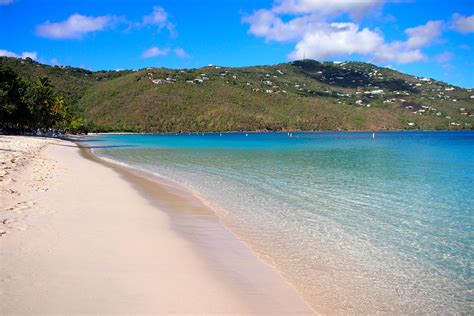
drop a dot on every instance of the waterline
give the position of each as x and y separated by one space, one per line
356 224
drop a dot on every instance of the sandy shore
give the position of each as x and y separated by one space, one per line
78 237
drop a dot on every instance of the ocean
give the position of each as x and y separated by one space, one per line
357 224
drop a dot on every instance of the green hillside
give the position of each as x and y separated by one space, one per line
69 81
302 95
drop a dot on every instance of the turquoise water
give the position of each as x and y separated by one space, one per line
355 224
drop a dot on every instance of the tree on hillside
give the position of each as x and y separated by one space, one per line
61 114
26 104
13 109
40 100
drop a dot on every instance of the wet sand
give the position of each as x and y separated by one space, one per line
83 236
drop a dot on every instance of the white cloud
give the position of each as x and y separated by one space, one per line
159 17
305 22
155 51
6 53
423 35
265 23
409 51
356 8
463 24
329 40
75 27
6 2
397 52
180 52
32 55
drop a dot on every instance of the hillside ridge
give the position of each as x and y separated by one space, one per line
299 95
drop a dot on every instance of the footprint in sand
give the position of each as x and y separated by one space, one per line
3 226
21 206
13 223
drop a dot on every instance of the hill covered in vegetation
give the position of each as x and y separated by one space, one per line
301 95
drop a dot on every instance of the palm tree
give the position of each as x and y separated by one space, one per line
41 100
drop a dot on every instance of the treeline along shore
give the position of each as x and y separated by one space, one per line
33 106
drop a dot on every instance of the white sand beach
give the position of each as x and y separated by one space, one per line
78 238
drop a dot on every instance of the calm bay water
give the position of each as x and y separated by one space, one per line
356 224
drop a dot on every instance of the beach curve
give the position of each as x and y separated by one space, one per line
87 242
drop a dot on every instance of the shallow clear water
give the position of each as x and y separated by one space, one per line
356 224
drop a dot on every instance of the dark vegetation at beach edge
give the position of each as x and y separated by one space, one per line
302 95
32 107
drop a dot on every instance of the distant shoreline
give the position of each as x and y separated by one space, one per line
284 132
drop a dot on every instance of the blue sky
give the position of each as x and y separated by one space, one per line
425 38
